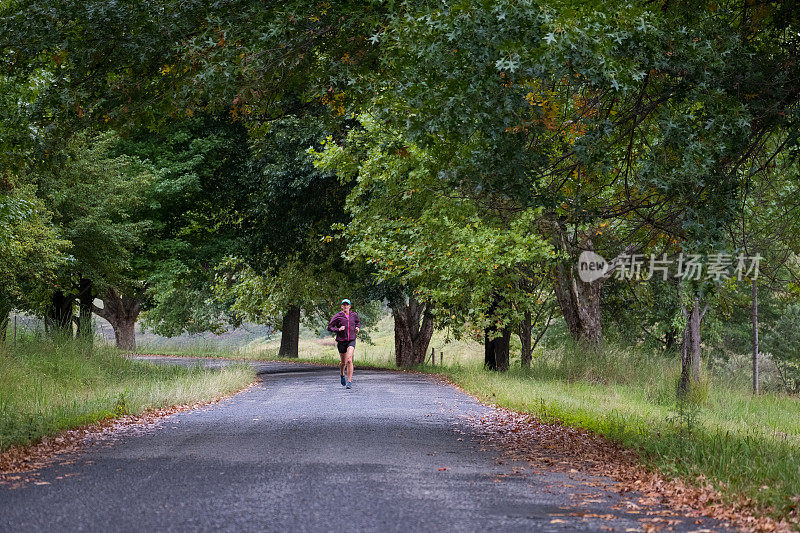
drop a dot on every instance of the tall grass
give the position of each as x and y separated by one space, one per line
47 386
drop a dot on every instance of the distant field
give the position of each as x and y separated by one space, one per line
377 350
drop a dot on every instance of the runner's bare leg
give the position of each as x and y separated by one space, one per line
342 364
349 362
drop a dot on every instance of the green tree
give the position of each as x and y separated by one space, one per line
165 61
457 256
93 194
188 210
767 225
621 121
286 208
151 62
30 248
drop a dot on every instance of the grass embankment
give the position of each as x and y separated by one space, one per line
47 387
747 447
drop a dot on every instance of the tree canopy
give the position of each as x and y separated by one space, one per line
452 159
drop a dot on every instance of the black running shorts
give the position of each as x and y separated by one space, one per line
342 345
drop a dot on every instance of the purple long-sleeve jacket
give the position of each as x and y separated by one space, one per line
351 323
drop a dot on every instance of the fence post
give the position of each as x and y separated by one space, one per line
433 355
15 330
441 358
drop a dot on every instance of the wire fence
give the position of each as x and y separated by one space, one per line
22 325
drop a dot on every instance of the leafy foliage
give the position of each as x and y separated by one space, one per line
93 195
456 254
284 255
189 214
30 248
783 342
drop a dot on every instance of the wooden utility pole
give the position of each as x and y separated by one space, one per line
755 338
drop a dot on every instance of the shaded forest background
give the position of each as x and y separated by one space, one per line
196 166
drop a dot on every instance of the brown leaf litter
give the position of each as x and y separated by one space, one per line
553 447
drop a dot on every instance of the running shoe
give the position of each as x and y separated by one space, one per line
344 381
348 384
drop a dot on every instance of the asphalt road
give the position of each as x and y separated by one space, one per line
298 452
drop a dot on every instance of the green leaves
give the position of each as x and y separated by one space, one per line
482 129
416 232
189 212
30 247
93 195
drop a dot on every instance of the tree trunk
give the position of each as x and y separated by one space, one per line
413 329
686 363
502 346
580 304
690 346
755 338
59 315
670 339
496 341
85 300
125 334
3 324
496 351
489 356
525 329
403 345
489 334
695 338
5 311
579 300
121 312
290 333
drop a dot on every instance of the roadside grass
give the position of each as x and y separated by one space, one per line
748 447
47 387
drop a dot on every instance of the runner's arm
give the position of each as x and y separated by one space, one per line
331 325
